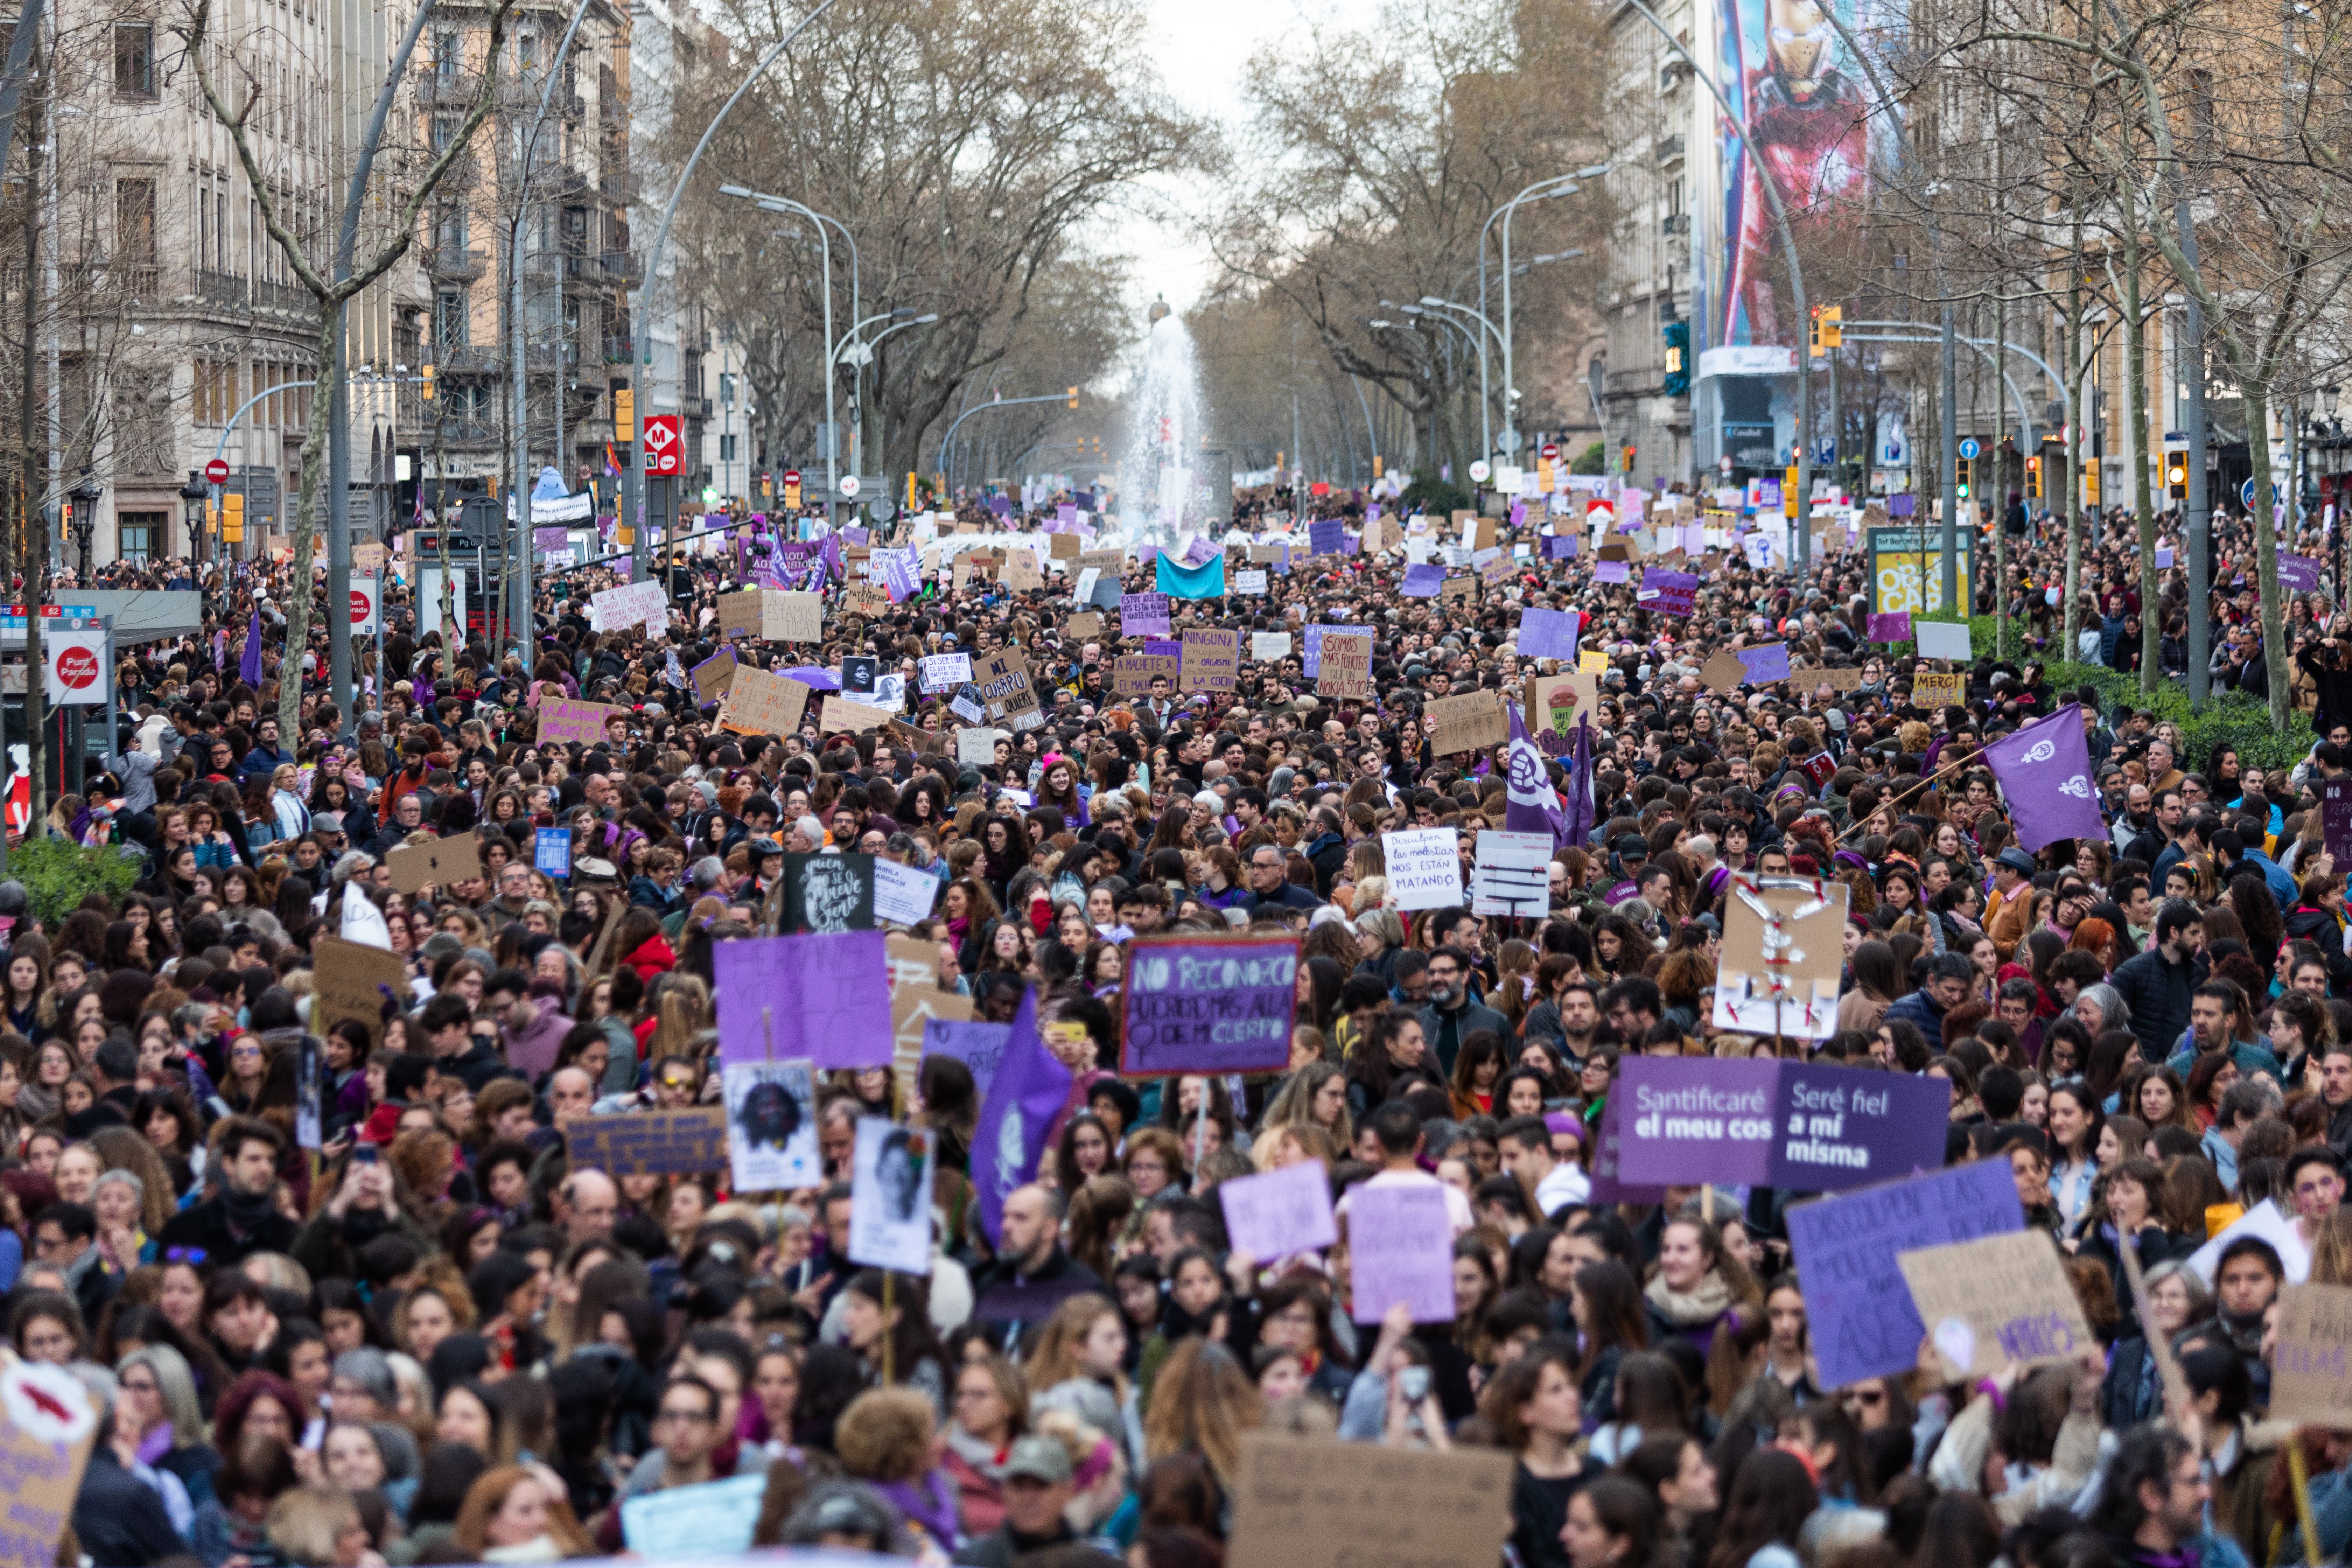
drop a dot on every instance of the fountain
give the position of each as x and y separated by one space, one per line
1160 478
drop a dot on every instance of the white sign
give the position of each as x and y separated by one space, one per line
772 1126
1757 359
73 652
890 1197
1424 867
570 509
631 604
977 748
946 671
1942 639
903 893
1270 645
1513 874
1249 582
1479 470
367 603
1085 591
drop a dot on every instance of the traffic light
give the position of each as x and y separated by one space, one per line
1377 461
1073 397
1678 359
2033 477
2090 481
2176 475
1965 477
1813 344
1833 326
232 519
425 391
1628 458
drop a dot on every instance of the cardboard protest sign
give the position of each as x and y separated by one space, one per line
1791 988
913 1010
1083 626
822 997
1132 674
1424 867
684 1142
842 715
1858 1312
2311 1367
714 675
1723 673
1471 722
1021 572
1550 705
740 614
563 719
1299 1503
890 1196
828 893
1930 690
45 1446
1668 593
1279 1213
1346 664
1143 616
1842 679
1064 546
1212 659
1459 593
1401 1249
351 980
1208 1004
1010 696
1511 874
436 863
772 1126
1996 1299
761 702
792 618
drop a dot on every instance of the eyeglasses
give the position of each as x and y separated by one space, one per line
697 1418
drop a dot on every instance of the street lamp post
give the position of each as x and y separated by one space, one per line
1542 190
193 496
86 497
881 430
1485 411
786 205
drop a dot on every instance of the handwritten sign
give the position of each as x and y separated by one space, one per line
1303 1504
946 671
761 702
685 1141
561 720
1212 659
1143 614
1549 633
435 863
903 894
739 612
1996 1299
694 1522
1266 646
792 618
1346 664
1009 695
1929 689
714 675
980 1046
1212 1004
1279 1213
643 603
45 1447
1424 867
1401 1249
1132 674
2311 1369
1471 722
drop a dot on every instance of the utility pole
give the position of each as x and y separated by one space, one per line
2195 516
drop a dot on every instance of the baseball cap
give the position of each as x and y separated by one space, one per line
1039 1459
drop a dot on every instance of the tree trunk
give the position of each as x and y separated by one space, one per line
298 595
36 481
2258 449
2143 505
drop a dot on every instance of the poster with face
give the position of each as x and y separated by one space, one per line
772 1126
890 1197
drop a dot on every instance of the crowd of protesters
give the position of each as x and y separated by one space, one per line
436 1339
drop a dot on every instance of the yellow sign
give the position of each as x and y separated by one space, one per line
1591 662
624 413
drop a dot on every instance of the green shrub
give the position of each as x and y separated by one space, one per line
2228 718
58 875
1435 496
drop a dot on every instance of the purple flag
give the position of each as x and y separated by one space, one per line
249 665
1029 1092
2044 774
2298 573
830 553
1576 824
1530 803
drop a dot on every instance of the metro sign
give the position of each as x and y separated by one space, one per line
364 603
665 444
77 668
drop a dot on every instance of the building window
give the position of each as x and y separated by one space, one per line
134 59
140 536
451 328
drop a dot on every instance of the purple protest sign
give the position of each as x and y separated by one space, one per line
1859 1316
1892 628
1766 664
1327 536
1559 547
858 537
1610 572
1690 1119
1279 1213
1422 580
1549 633
2163 559
1065 518
544 540
1201 552
1310 641
2298 573
1519 513
978 1046
1608 1161
823 997
1904 505
1143 614
1154 647
1401 1249
1767 495
2044 773
1210 1004
2336 818
1669 592
1842 1127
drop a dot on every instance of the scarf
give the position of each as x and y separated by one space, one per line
1694 1307
245 1210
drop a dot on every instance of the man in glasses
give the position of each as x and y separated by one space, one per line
686 1431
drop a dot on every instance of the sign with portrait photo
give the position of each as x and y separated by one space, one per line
772 1126
890 1197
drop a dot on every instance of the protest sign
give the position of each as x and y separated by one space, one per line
903 894
551 851
695 1520
1302 1503
2336 818
1007 693
1084 627
1612 571
792 618
2311 1367
1401 1249
977 1045
1251 583
1269 646
772 1126
1549 633
1696 1119
914 1008
1859 1316
1894 625
1279 1213
1132 674
761 702
435 863
1996 1299
1346 664
827 893
1792 988
1327 536
739 613
45 1446
1669 593
1212 659
1929 689
1552 704
643 603
563 720
1724 673
1608 1162
1842 1127
976 747
1765 665
1143 616
1424 867
1471 722
714 675
1208 1004
825 998
1458 593
1422 580
1943 639
2298 573
890 1196
847 716
1512 874
682 1141
351 980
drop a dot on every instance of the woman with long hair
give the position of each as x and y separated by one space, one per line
1697 1282
1316 1095
917 1358
1605 1301
513 1515
1771 1498
1201 1402
1533 1410
1875 983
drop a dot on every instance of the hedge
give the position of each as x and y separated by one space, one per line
57 874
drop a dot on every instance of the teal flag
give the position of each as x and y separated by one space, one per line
1206 581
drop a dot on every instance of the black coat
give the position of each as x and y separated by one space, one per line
120 1519
206 1228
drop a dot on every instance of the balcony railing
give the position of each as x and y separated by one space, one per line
457 264
219 287
282 296
620 349
625 267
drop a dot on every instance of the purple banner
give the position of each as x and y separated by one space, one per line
826 998
1311 642
1401 1249
2298 573
2044 773
1766 664
1692 1119
1215 1006
1894 627
1549 633
1610 572
1327 536
1738 1122
1669 592
1423 581
1608 1161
